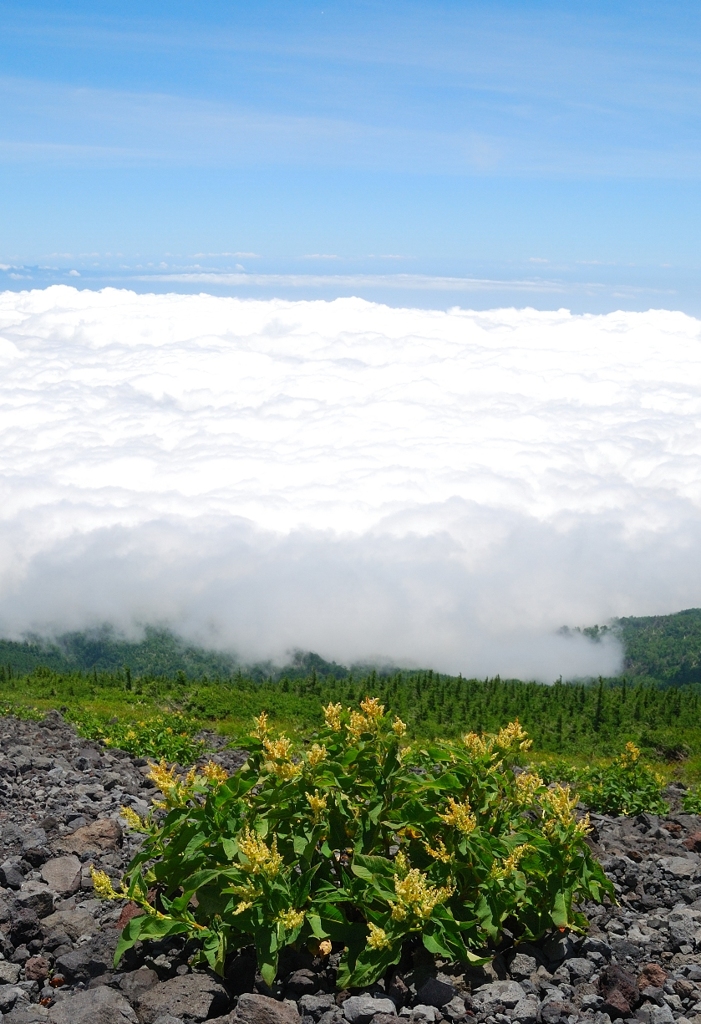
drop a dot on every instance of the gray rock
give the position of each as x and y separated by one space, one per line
579 967
9 994
11 876
333 1016
555 1009
650 1013
254 1009
454 1009
424 1012
314 1006
37 897
360 1009
436 992
80 965
135 983
34 841
167 1018
303 982
557 947
101 1005
507 992
680 867
194 997
522 966
62 874
594 945
26 1014
9 973
74 922
526 1010
684 926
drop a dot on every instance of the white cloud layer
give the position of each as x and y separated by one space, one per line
442 488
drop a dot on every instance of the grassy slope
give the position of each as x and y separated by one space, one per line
101 675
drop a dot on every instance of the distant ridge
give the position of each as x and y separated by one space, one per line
664 649
160 653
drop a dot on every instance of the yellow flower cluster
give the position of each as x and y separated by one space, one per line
132 819
513 735
357 725
163 776
317 804
324 948
259 859
511 863
103 886
460 816
516 856
527 785
476 744
438 852
377 939
558 806
291 918
285 770
416 897
372 708
214 773
241 907
261 729
332 716
317 754
631 754
278 749
398 727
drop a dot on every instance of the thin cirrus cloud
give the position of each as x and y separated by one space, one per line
412 282
435 488
56 122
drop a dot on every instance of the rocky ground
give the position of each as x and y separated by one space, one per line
60 799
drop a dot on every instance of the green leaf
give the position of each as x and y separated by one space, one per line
559 912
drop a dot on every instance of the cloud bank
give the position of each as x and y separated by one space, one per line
436 488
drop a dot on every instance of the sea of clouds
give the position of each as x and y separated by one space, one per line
429 487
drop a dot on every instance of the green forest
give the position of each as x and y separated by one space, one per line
104 682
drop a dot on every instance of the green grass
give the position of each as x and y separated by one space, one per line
582 723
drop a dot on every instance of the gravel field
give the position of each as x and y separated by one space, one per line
60 799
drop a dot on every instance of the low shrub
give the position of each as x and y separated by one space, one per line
168 736
359 843
691 800
625 786
27 714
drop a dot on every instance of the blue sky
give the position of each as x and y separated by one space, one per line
478 154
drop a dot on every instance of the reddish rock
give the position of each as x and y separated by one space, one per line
620 991
128 911
101 835
37 968
693 842
652 974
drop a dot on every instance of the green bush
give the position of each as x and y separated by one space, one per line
691 800
167 736
359 843
625 786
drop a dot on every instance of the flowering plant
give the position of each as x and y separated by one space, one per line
360 843
625 786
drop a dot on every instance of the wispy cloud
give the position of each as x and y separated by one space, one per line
420 282
55 122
